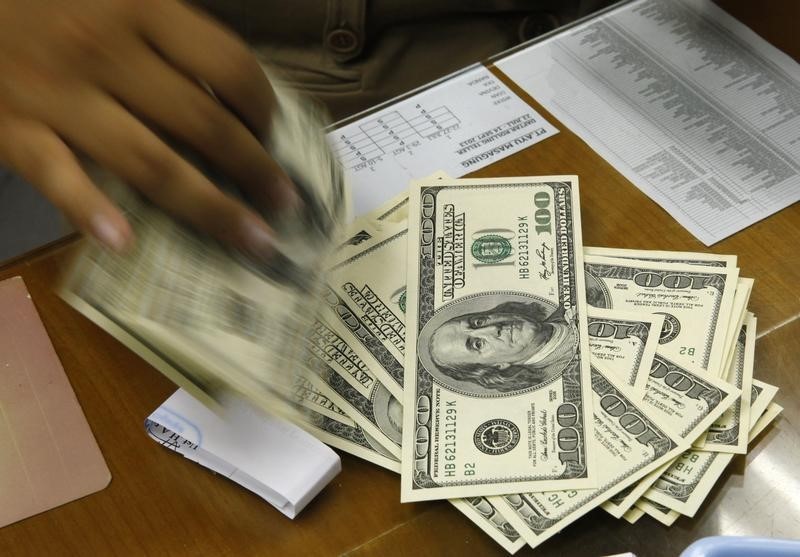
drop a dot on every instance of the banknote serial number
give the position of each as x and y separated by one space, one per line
449 445
523 246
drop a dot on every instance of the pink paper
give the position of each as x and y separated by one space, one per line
48 455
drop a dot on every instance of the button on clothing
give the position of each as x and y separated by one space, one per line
342 41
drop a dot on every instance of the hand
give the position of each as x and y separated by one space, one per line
106 78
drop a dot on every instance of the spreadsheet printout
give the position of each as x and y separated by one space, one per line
457 126
690 105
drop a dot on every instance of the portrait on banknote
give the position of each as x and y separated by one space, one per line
498 342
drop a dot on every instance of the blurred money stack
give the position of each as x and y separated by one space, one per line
217 322
471 343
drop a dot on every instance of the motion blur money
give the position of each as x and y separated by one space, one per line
631 441
210 318
497 390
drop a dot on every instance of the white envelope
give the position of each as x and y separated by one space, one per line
274 459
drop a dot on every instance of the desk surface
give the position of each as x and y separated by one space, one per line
159 503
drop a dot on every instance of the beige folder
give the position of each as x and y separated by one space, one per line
48 455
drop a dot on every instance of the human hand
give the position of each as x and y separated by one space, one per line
105 79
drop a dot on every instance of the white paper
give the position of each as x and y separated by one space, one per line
459 125
690 105
276 460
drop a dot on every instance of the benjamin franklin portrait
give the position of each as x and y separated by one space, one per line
506 344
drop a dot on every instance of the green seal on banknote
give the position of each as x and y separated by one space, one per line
491 248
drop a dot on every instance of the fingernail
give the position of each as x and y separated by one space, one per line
108 234
258 240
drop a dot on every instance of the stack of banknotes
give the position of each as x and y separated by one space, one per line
472 343
463 336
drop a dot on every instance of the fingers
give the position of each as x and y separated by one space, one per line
45 161
116 140
207 51
150 88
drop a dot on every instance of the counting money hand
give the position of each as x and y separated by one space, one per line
497 394
210 318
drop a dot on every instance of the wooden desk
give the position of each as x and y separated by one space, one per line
159 503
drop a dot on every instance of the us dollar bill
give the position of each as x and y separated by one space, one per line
496 384
394 210
695 300
633 515
744 288
741 296
686 400
727 433
687 482
631 441
338 316
664 515
352 238
491 521
372 282
625 343
366 401
210 318
361 234
688 257
329 423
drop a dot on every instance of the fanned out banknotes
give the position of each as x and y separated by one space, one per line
461 336
506 418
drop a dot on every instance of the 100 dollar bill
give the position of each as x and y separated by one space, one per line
727 434
695 300
497 390
687 482
631 442
372 282
687 401
625 343
331 425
